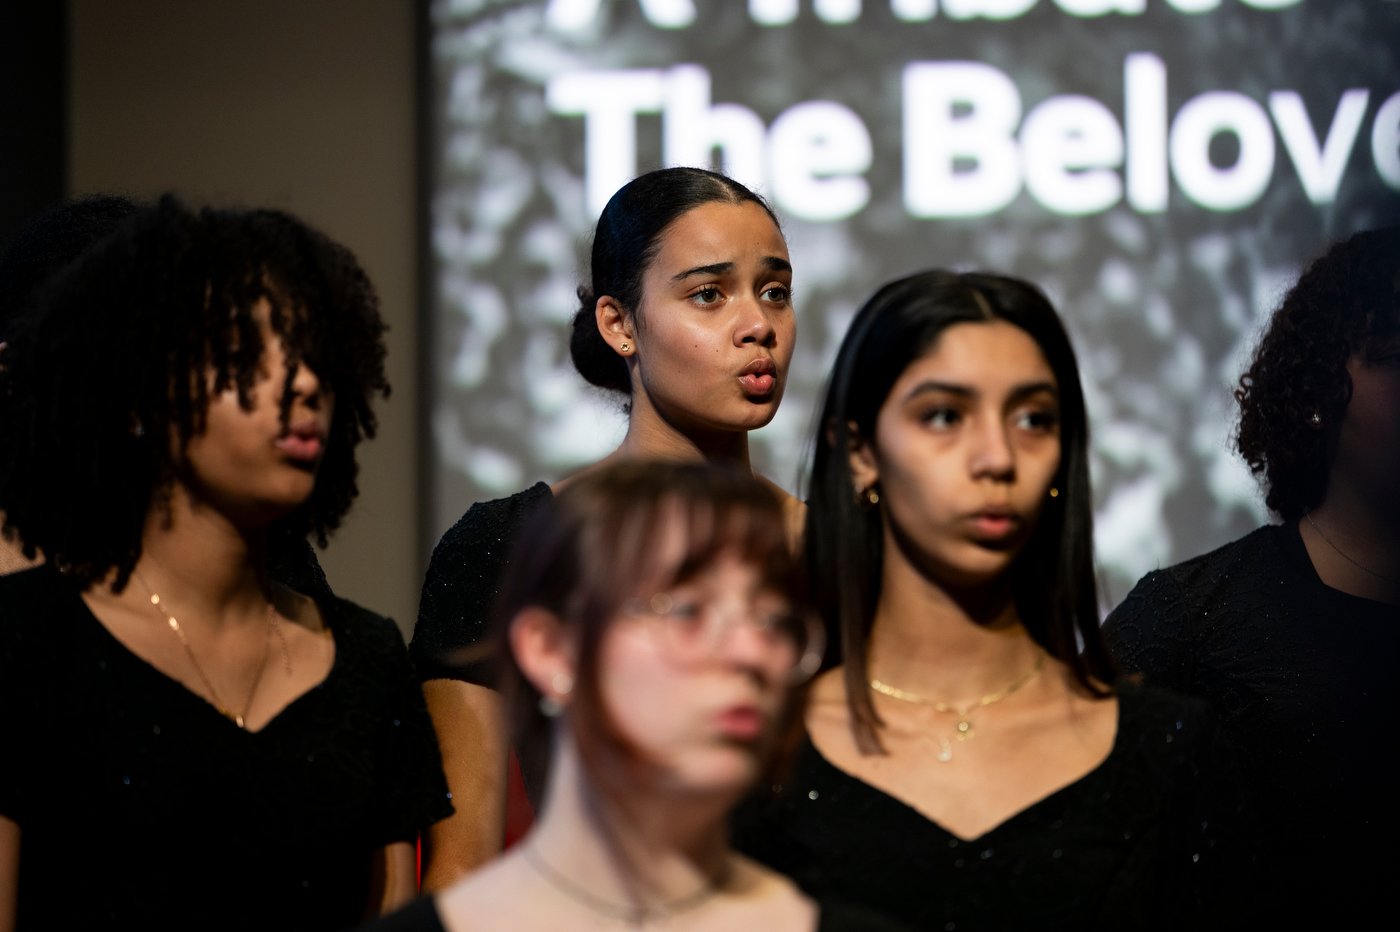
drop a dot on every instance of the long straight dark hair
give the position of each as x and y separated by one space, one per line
1054 576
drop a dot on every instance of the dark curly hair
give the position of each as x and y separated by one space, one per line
1344 301
51 242
121 353
625 241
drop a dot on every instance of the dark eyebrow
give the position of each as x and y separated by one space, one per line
963 391
1034 388
719 268
772 263
950 388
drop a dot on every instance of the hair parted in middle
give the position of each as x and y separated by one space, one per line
1054 575
582 555
625 241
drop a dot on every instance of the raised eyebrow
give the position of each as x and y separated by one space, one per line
718 268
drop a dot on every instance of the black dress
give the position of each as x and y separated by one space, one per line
1153 838
1304 680
451 639
422 916
141 806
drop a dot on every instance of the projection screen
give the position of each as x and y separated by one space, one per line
1162 168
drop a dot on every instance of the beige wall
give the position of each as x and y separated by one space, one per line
305 105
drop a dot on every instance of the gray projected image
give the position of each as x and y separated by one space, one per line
1162 168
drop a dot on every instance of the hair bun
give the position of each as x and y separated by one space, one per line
594 359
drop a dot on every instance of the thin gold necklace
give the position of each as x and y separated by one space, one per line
964 726
1343 553
224 710
634 916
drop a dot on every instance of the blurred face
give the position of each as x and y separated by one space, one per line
695 676
716 327
966 446
248 464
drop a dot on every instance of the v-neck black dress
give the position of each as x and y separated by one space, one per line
1158 836
140 806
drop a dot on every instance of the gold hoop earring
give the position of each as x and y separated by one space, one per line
626 347
1054 492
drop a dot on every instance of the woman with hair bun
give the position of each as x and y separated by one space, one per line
1293 631
688 315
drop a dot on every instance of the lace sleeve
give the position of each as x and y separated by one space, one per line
1152 633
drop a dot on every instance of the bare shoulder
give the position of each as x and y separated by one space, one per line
494 897
794 513
828 717
760 898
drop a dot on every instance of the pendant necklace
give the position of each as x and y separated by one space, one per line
1344 554
224 710
635 917
964 728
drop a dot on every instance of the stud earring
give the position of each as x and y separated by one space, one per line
1054 492
1315 419
562 683
626 347
872 496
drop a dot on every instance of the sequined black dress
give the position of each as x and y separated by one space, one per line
1304 679
1158 836
454 613
140 806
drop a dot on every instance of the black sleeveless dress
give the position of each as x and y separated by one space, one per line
1158 836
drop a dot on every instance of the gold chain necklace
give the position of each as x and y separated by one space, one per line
224 710
964 726
1344 554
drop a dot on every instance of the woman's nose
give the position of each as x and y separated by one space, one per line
306 384
753 325
992 456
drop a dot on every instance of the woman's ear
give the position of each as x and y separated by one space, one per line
865 471
544 651
615 324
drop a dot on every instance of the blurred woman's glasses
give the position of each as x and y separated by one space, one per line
693 629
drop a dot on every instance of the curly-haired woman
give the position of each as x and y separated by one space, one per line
189 743
1293 632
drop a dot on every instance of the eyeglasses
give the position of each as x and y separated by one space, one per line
693 629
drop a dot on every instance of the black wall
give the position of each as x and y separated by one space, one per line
33 130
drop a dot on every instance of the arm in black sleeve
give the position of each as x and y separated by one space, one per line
411 789
1151 632
452 639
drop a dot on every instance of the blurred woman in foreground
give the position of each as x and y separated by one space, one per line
975 763
653 644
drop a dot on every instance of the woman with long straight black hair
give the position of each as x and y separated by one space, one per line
974 761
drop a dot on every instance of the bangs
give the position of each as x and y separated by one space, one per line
664 541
